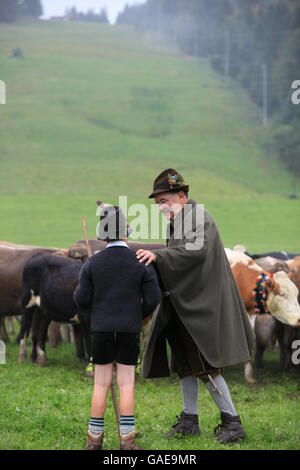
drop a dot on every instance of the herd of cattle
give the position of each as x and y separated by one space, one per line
37 285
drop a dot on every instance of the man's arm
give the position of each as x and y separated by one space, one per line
191 251
83 293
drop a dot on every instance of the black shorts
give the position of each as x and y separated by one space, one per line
108 347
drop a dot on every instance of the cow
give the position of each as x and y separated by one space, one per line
263 292
267 329
11 327
49 281
272 265
12 260
294 271
279 255
284 334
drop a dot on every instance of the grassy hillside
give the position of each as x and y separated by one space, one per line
96 111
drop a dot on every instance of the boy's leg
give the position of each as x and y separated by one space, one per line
127 352
125 382
102 382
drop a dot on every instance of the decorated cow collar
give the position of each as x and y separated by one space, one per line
260 292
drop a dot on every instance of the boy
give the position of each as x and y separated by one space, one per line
120 292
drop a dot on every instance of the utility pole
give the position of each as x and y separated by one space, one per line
227 56
265 95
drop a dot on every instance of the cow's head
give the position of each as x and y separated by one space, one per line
283 299
78 252
294 275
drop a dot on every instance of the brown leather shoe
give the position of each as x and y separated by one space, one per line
94 442
127 441
230 429
187 425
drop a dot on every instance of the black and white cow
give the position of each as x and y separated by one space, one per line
47 294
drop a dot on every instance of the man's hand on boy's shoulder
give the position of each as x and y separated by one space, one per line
146 255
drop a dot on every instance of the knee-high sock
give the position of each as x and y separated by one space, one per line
189 393
96 426
224 402
127 424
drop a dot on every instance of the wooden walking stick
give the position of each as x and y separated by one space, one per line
112 388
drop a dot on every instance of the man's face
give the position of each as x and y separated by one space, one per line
170 204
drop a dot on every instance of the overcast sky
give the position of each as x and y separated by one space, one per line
113 7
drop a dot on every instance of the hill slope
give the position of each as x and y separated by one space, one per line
96 111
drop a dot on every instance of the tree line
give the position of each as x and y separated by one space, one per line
11 9
90 15
255 43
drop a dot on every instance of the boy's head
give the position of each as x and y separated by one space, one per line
113 225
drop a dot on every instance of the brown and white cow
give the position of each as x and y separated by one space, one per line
268 330
281 294
294 272
272 265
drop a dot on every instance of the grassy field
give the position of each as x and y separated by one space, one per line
94 112
50 408
97 111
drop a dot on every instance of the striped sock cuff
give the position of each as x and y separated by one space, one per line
96 425
127 424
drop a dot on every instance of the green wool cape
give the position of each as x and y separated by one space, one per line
203 293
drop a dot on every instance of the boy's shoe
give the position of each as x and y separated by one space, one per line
94 442
230 429
187 425
127 441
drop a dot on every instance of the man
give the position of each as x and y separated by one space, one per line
201 315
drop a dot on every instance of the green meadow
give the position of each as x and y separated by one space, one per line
49 408
94 112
